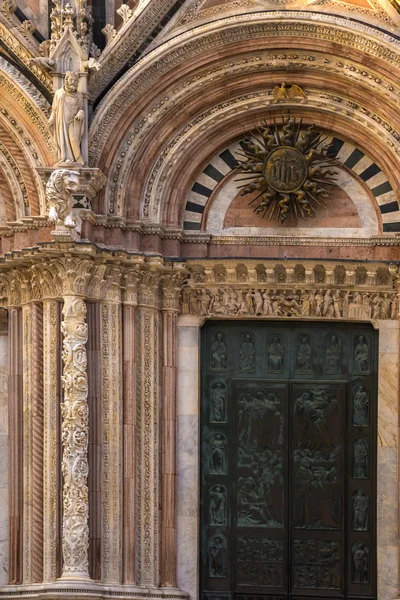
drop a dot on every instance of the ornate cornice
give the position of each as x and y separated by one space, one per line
274 25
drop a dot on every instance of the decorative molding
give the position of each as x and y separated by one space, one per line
302 24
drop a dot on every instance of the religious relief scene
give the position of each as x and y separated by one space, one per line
199 299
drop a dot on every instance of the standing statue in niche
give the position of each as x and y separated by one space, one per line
275 355
217 405
217 506
218 454
360 459
360 511
67 122
304 355
360 407
218 353
361 356
332 356
217 557
360 563
246 358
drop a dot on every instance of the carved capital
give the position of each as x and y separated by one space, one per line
74 274
130 284
149 289
171 290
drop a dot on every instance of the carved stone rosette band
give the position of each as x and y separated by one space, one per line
75 429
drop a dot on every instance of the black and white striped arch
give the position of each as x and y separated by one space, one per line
350 156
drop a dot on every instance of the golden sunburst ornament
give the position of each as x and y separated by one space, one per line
288 166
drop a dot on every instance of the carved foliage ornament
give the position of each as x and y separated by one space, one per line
288 168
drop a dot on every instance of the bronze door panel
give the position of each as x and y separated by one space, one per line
288 461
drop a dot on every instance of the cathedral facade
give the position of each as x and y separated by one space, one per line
199 299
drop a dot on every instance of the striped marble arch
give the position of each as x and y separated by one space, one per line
349 155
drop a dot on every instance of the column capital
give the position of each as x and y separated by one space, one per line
171 290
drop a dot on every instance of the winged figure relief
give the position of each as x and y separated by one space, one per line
283 93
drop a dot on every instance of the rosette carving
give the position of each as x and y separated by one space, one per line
75 428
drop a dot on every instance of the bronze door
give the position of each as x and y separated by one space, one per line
288 461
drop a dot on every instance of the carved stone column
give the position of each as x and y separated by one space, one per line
111 416
15 444
28 534
170 310
75 421
148 421
130 300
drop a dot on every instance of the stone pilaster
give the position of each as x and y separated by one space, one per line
28 533
112 419
15 444
148 422
129 305
171 290
37 441
51 338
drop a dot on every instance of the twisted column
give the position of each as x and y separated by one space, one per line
75 428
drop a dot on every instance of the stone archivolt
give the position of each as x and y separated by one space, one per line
343 108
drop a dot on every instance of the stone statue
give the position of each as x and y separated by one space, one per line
67 122
59 200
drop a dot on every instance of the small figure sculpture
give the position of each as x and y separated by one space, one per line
361 356
217 406
275 355
282 93
360 511
67 122
304 355
218 352
59 189
246 358
360 407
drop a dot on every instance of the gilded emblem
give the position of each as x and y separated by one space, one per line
285 169
289 167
